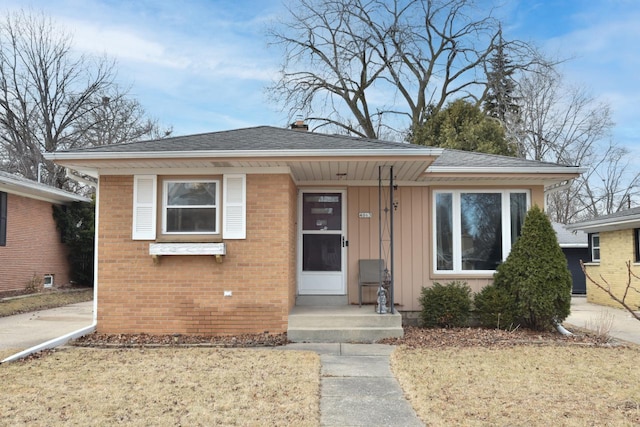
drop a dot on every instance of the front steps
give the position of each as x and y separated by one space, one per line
344 323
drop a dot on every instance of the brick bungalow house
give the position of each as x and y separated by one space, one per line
613 240
30 244
230 232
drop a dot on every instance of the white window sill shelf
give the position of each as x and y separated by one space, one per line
162 249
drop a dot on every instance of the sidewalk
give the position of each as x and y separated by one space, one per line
587 315
357 387
22 331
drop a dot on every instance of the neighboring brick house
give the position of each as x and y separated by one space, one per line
225 232
613 241
30 244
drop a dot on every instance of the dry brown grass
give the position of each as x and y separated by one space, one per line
162 387
43 301
522 385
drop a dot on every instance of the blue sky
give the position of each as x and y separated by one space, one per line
202 65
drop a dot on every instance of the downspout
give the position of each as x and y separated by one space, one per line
56 342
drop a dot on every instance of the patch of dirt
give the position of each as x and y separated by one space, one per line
415 337
146 340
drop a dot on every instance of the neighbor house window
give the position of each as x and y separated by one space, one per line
594 244
190 207
474 230
3 218
636 243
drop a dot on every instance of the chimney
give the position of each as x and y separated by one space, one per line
300 125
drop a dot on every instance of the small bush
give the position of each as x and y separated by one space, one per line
447 306
34 285
494 308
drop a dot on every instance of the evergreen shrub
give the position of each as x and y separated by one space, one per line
536 276
494 308
447 306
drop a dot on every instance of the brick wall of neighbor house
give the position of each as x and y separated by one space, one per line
616 248
33 245
184 294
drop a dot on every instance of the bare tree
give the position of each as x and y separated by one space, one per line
558 123
115 118
567 125
373 66
44 90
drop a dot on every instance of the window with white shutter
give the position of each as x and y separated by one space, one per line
234 207
144 207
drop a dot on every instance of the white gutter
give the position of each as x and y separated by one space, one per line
56 342
84 155
497 169
38 191
604 225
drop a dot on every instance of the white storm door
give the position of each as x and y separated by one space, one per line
322 243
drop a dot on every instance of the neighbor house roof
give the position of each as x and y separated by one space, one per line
309 157
14 184
570 238
629 218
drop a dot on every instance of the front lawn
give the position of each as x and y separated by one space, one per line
162 387
523 385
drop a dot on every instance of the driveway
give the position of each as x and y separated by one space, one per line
589 316
23 331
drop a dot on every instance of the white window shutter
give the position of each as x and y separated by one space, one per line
144 207
234 210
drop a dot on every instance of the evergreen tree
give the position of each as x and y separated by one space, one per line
499 100
463 126
76 223
536 276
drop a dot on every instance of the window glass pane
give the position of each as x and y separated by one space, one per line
322 211
481 228
191 194
321 252
518 212
444 231
191 220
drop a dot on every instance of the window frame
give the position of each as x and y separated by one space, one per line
165 206
456 232
593 247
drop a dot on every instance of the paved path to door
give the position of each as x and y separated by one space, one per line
357 387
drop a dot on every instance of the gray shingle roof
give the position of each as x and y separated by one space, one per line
570 237
260 138
628 215
458 158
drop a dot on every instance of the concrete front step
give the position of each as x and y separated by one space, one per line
342 324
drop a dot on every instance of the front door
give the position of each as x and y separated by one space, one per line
322 242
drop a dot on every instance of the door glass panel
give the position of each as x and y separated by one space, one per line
322 211
321 252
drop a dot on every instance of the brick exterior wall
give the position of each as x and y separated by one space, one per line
33 245
184 294
616 248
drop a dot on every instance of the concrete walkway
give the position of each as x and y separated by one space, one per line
589 316
23 331
357 387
